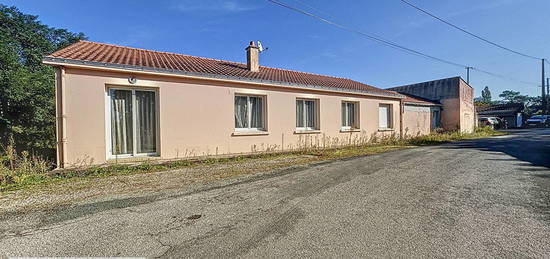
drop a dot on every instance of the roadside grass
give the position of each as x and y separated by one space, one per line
27 172
441 138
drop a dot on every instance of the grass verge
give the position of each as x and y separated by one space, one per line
25 173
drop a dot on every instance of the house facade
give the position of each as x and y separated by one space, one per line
122 104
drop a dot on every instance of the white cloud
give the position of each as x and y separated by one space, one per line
214 5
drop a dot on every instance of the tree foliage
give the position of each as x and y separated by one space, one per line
510 96
485 99
486 95
27 93
533 105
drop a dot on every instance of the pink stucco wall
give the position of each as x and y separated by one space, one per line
458 113
196 117
417 120
467 109
450 115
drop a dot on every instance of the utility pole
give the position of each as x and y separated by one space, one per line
543 95
547 94
468 74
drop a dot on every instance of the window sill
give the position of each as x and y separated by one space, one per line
129 158
307 132
383 130
250 133
349 130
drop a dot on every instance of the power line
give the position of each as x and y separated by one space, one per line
467 32
372 37
392 44
505 77
313 8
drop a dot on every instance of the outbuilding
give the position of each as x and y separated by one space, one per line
454 94
420 116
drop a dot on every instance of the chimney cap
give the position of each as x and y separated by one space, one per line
252 57
252 45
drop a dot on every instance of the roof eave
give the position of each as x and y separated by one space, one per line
423 104
140 69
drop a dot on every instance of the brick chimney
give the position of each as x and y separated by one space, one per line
252 57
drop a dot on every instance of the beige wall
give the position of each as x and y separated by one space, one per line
417 120
458 113
467 108
196 117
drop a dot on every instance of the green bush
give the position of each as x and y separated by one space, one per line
22 169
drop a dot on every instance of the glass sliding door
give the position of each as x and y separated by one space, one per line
122 133
146 122
133 122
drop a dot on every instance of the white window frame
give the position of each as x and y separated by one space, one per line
389 116
316 115
355 123
249 111
108 107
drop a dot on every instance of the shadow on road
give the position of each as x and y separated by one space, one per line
532 147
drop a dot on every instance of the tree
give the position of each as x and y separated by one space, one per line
27 93
533 105
485 99
486 95
510 96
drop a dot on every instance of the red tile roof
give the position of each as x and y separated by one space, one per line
418 100
105 54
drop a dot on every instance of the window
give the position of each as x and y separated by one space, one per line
133 122
306 114
384 116
249 113
349 115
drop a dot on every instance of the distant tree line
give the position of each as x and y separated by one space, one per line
533 105
27 91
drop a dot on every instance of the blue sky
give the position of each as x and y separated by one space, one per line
221 29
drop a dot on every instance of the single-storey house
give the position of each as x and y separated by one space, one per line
455 96
117 103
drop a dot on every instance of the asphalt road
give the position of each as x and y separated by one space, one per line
482 198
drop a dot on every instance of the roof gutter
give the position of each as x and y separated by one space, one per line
193 75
